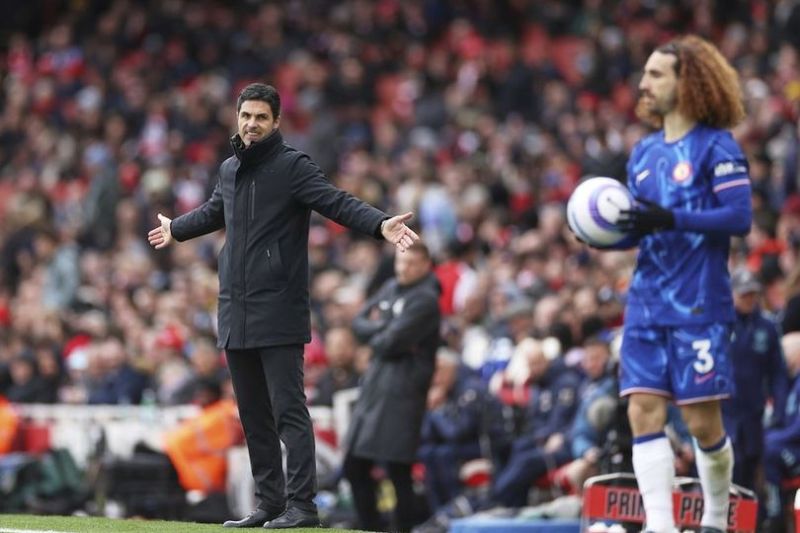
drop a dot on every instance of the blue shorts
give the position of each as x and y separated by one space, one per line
688 363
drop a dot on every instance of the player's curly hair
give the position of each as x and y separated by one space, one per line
708 86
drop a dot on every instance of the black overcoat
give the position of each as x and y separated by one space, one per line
387 418
263 199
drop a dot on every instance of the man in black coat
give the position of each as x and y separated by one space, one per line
401 326
263 200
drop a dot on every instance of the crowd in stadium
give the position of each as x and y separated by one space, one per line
480 117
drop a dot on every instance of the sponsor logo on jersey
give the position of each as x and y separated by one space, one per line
682 171
728 167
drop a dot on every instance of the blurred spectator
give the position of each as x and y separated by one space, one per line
760 375
49 365
341 373
587 436
782 446
60 263
206 367
115 380
26 385
454 427
541 447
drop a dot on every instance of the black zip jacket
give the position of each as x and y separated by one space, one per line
264 199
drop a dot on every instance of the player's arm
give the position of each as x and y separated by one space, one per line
731 187
730 182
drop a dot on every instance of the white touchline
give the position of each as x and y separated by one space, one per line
9 530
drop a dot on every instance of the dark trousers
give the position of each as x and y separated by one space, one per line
268 383
525 466
358 472
442 470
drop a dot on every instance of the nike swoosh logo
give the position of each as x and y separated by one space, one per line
699 380
642 175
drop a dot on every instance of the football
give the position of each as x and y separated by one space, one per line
593 210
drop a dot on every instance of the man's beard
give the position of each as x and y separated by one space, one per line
650 112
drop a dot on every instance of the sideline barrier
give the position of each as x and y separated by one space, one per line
78 428
615 499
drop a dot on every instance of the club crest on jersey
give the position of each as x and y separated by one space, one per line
682 171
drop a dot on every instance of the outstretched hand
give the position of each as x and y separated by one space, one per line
160 236
396 232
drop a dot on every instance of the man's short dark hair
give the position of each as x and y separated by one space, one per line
262 92
420 248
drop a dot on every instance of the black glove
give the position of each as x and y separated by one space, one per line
646 217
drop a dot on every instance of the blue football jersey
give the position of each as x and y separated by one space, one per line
681 277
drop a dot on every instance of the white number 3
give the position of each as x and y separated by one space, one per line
705 361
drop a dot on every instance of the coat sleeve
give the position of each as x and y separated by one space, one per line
414 323
363 326
201 220
311 188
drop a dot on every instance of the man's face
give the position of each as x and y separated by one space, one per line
256 121
746 302
658 87
595 359
410 267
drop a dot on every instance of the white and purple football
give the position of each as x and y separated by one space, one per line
593 210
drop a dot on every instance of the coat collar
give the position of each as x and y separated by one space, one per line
256 151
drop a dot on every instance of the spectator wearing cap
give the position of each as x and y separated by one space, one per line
759 374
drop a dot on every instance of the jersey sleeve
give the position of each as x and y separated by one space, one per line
728 165
728 171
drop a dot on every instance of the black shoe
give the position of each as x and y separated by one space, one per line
294 517
255 519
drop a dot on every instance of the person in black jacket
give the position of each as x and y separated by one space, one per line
263 199
400 324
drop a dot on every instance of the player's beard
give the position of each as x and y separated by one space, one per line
651 111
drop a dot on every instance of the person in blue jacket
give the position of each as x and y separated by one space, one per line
542 445
453 427
759 373
598 400
782 444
